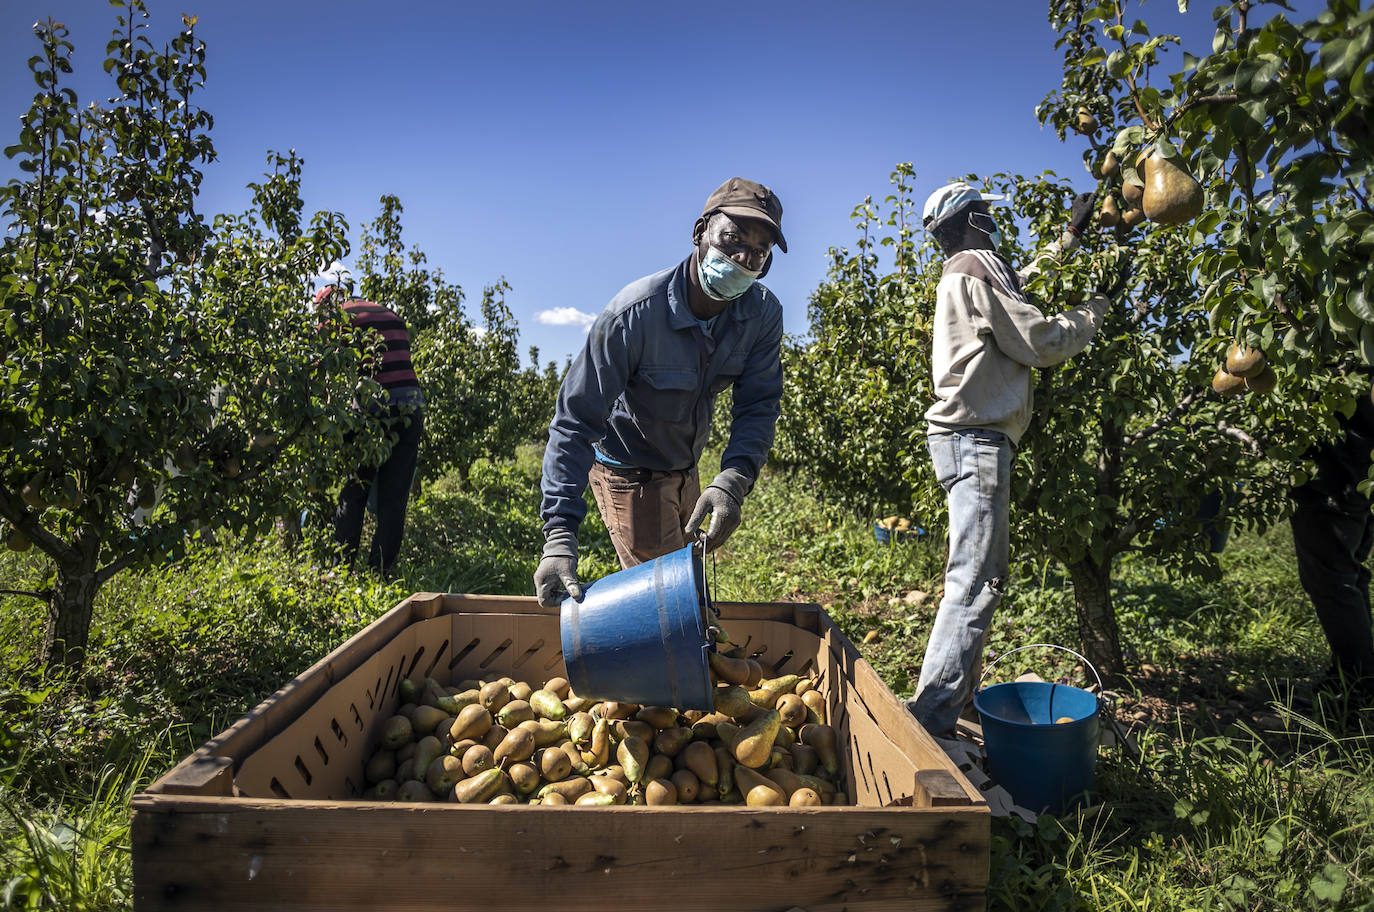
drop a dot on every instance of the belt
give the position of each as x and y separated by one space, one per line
644 476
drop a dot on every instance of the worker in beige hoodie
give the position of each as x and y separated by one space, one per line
987 337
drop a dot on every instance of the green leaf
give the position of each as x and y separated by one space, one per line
1242 124
1359 304
1127 140
1329 884
1331 53
1334 232
1367 343
1358 79
1342 320
1218 314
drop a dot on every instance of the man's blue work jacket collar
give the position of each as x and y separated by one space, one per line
680 316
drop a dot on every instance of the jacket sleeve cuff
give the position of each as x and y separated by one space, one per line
733 482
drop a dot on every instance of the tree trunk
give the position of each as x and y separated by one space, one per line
70 610
1097 630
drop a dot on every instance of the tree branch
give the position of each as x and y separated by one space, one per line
1245 439
1197 101
13 509
1130 76
155 242
106 573
1164 421
1364 200
1120 541
43 595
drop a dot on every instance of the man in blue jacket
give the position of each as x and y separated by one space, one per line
634 411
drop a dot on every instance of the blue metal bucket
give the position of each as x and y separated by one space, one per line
640 635
1045 765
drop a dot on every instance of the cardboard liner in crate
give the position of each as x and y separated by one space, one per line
266 814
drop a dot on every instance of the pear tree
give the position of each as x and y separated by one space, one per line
1128 442
1253 162
856 384
161 375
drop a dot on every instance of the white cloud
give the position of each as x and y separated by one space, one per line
336 272
565 316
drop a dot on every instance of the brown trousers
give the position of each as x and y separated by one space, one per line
643 510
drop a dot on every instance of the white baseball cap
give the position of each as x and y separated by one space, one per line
949 199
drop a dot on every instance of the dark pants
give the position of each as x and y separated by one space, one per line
392 479
644 511
1332 534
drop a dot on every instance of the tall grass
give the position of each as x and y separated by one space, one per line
72 851
1207 823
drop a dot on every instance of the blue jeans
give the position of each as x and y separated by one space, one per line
974 468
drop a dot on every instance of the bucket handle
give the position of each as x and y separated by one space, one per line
1101 701
1082 658
700 542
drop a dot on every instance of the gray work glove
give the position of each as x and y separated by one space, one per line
722 500
557 570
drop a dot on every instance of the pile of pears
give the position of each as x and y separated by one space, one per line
1245 370
1160 190
502 741
895 523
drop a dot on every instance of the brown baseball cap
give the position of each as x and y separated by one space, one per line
748 199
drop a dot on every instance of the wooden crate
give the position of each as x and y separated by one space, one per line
266 815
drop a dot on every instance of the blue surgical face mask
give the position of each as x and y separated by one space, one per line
988 225
722 278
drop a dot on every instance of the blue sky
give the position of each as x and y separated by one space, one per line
569 147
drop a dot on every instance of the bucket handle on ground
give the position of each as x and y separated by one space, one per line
1101 700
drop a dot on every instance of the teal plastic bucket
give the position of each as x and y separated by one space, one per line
641 635
1045 765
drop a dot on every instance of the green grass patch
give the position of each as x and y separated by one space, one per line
1217 812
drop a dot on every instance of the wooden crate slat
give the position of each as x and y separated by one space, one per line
274 714
432 857
889 712
528 648
299 761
